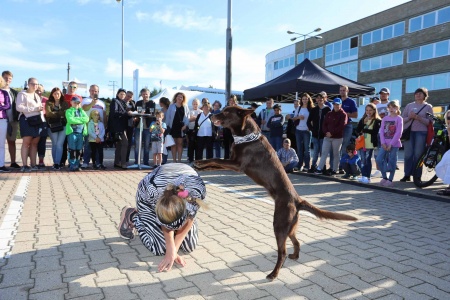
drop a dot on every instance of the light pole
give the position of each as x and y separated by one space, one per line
304 38
122 36
229 44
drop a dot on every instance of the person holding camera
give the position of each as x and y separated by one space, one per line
145 106
89 104
205 130
55 110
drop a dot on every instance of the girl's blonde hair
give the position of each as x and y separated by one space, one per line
396 104
93 112
376 116
171 207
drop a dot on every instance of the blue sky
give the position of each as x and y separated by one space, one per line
175 42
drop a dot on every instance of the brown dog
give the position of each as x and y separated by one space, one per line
253 155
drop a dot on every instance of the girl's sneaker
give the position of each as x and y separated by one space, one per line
388 183
102 167
34 168
383 182
56 167
364 179
25 169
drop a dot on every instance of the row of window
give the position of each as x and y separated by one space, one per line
433 18
284 63
431 82
311 55
383 34
347 70
340 51
381 62
429 51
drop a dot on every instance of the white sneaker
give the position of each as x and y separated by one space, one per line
364 180
376 174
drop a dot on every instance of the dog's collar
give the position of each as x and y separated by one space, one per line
247 138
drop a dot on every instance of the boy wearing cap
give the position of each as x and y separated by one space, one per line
384 100
75 130
275 125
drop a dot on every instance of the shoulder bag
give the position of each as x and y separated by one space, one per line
406 134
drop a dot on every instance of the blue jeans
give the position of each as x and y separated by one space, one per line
288 168
87 151
366 162
316 151
217 145
75 144
387 161
146 137
276 142
414 148
303 138
348 131
57 139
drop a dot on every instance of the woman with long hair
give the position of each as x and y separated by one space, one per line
55 110
302 132
177 122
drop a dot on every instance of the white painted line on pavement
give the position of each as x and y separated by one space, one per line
302 212
8 228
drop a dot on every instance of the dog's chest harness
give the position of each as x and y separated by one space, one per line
246 138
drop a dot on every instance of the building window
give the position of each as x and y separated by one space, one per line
429 51
394 86
315 53
383 61
431 82
300 58
383 34
341 51
347 70
275 65
431 19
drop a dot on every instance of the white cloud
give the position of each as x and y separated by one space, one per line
188 20
57 52
30 65
200 67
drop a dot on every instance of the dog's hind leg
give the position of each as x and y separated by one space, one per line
294 240
281 243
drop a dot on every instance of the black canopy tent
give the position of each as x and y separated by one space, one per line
305 77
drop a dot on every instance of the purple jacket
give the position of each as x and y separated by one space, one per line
5 104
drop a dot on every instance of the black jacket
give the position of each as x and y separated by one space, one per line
118 116
315 121
373 132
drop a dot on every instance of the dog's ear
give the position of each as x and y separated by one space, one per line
245 112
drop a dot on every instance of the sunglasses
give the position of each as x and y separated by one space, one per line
73 86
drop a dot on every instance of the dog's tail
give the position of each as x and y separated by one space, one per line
322 214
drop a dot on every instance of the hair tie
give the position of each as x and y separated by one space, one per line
183 194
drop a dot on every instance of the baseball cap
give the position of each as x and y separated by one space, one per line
384 90
75 99
337 101
322 94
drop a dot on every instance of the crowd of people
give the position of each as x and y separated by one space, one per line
323 130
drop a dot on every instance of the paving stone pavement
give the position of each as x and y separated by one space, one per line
65 243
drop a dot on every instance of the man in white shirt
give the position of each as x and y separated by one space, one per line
264 116
92 103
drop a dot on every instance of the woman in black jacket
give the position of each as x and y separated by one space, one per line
118 122
369 126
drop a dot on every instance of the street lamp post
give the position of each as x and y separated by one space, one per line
229 46
304 38
122 35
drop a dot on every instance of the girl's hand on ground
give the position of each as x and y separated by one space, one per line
180 261
167 262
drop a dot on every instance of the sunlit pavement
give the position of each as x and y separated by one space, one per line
58 240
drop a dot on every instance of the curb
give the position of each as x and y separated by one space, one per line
378 187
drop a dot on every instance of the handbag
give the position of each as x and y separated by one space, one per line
430 134
360 142
406 134
56 127
34 120
169 141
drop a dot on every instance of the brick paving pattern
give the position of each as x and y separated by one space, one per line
66 244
